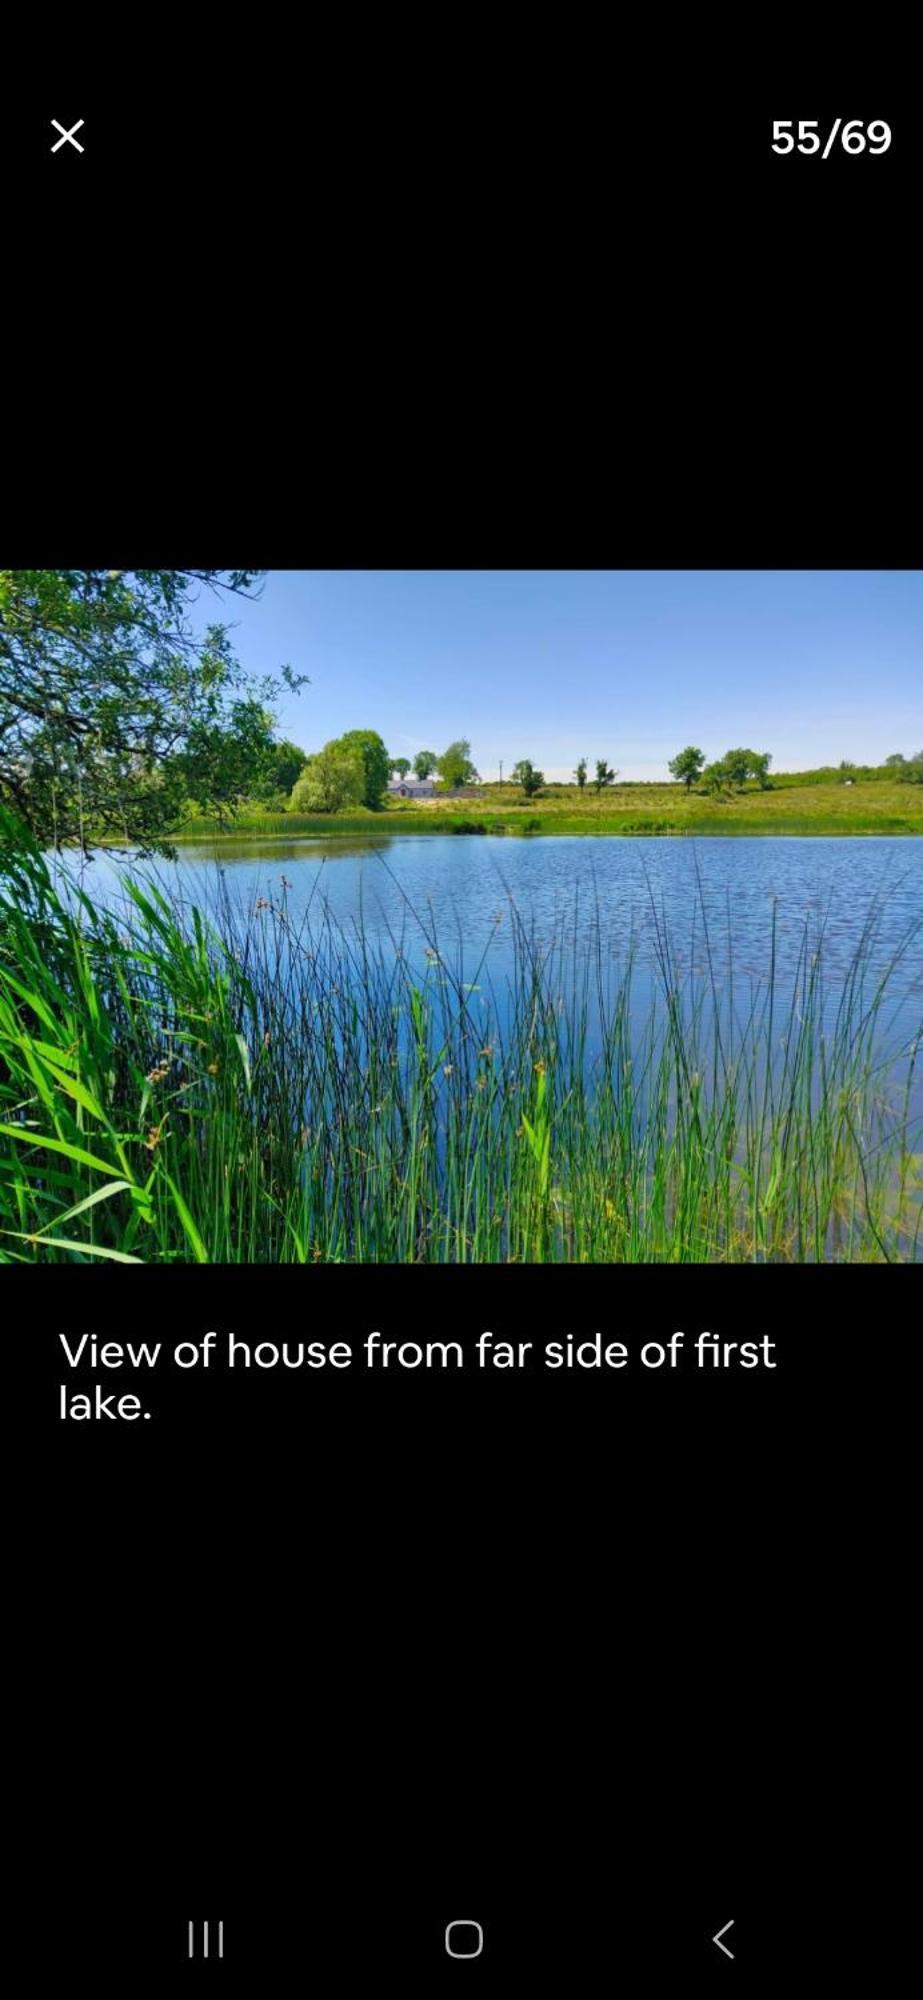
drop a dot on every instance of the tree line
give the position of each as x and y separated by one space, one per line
727 773
121 718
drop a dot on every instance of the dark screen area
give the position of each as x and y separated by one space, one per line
596 1674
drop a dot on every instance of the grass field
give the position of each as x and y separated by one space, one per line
882 807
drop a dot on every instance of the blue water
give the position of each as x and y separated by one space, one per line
450 905
567 890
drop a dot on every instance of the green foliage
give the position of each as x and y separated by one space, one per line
228 760
580 774
731 772
455 767
834 774
907 770
331 781
376 764
526 775
604 774
400 766
686 766
284 765
115 711
736 766
425 763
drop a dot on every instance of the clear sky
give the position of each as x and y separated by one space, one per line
812 665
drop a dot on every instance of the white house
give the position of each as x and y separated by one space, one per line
411 788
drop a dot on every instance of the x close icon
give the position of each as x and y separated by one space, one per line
67 138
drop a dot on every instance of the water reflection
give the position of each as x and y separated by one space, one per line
718 908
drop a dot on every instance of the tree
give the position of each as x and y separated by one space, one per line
425 763
604 774
116 710
686 766
526 775
737 766
375 761
331 780
715 777
400 767
284 765
896 758
455 767
580 773
228 760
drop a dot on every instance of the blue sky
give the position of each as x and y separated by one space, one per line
813 666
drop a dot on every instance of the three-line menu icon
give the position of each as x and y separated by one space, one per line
205 1939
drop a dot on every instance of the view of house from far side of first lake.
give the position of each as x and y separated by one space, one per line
461 917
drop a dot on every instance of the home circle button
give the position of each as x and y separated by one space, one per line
464 1939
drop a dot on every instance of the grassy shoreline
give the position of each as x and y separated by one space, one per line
388 828
655 810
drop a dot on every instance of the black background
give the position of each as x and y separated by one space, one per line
600 1662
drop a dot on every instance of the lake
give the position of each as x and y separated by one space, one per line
458 891
715 908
